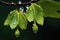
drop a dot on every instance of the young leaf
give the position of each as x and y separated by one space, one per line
39 19
50 8
29 14
35 28
38 14
14 20
17 33
35 12
22 21
8 20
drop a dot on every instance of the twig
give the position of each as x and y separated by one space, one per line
15 4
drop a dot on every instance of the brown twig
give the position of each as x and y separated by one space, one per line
14 4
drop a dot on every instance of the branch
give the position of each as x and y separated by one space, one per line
19 4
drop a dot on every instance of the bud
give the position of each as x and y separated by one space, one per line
17 33
35 28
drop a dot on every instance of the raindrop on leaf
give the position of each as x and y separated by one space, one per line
22 9
27 6
14 23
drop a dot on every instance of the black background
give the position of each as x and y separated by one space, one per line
49 31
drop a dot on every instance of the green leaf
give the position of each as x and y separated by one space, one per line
8 20
39 19
29 14
17 33
22 21
14 20
35 12
38 14
50 8
35 28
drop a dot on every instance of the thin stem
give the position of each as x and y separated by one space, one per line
14 4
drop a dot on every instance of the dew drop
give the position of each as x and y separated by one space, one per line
19 2
30 9
22 9
10 12
12 2
14 23
27 6
32 0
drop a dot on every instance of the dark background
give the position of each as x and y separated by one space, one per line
49 31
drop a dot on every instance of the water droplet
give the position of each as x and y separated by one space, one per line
14 23
32 0
27 6
30 9
10 12
19 2
12 2
22 9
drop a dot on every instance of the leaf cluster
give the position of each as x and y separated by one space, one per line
36 13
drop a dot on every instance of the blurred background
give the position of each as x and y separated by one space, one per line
49 31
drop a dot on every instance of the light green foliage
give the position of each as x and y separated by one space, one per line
39 19
29 14
50 8
16 18
22 21
8 20
38 14
35 12
12 19
17 33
